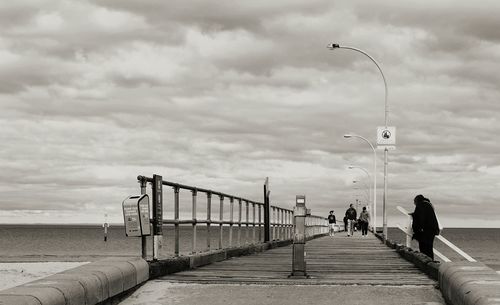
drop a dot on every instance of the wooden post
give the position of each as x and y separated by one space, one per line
267 222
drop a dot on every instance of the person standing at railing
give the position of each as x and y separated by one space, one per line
332 221
364 219
351 215
425 225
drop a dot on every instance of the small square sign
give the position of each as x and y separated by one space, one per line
386 136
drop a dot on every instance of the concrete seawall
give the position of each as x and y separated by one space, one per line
469 283
105 281
90 284
461 283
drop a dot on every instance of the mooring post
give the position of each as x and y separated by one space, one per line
299 238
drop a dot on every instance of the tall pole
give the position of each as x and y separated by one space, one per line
386 114
373 214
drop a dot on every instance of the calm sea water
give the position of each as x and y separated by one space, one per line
23 243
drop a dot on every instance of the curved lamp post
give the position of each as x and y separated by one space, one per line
369 196
334 46
366 191
347 136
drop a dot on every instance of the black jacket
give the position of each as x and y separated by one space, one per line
351 213
424 221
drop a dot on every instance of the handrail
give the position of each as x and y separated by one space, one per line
246 219
444 240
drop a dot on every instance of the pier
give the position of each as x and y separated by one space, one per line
255 252
341 269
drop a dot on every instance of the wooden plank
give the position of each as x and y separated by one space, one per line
330 261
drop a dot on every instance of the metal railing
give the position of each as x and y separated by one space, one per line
241 218
316 225
407 231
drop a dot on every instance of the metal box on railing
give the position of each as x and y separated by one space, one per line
136 216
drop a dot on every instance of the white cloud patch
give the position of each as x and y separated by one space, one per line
220 96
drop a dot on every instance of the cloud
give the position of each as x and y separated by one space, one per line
221 96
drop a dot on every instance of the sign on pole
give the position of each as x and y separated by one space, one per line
386 137
157 205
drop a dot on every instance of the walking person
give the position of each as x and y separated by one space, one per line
364 219
425 225
351 215
332 221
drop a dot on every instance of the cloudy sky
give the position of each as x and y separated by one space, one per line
220 94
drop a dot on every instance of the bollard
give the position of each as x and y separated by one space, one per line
299 239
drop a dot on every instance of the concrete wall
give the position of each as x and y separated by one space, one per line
90 284
467 283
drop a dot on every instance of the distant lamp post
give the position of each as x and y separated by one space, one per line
370 199
334 46
374 212
367 190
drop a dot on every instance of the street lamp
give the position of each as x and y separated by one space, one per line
367 190
369 194
374 213
334 46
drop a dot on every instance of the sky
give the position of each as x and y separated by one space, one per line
222 94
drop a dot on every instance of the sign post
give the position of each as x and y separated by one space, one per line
299 239
386 140
157 215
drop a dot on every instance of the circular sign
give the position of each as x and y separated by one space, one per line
386 134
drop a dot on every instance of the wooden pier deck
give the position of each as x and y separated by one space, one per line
343 270
338 260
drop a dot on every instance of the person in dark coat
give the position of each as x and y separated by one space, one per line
425 225
351 215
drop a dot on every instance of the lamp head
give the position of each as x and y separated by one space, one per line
347 136
350 167
333 46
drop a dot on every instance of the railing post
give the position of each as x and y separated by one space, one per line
209 217
239 222
193 211
247 233
253 222
299 239
231 216
267 222
144 248
221 219
176 218
260 223
273 222
157 215
408 231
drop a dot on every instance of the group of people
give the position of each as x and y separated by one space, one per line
425 224
351 221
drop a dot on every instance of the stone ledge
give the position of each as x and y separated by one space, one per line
90 284
469 283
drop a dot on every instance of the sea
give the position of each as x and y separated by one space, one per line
83 243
